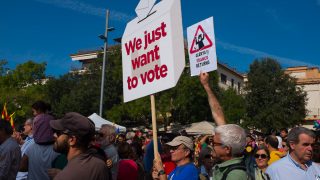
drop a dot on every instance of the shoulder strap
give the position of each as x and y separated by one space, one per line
267 176
232 167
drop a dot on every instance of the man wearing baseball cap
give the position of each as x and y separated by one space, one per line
73 135
181 153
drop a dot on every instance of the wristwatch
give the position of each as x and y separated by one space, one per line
161 172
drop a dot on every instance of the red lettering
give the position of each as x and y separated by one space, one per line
163 31
132 82
156 73
129 82
139 42
136 44
145 59
163 71
154 35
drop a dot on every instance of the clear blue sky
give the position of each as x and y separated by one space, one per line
51 30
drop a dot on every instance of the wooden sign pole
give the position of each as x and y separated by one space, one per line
154 126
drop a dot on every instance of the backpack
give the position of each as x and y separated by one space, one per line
238 166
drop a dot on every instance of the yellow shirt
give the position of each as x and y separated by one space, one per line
274 156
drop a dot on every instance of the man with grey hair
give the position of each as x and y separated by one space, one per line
229 143
107 138
229 140
297 164
28 131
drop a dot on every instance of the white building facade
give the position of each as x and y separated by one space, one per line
309 79
230 78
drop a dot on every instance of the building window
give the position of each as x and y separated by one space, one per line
239 87
223 78
232 83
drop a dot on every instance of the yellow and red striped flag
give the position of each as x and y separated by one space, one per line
4 114
11 120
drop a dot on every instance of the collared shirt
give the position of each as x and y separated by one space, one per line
112 153
287 168
10 157
260 175
203 173
40 158
236 174
29 140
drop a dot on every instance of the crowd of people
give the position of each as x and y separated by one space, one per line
71 148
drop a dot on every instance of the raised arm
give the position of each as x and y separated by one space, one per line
216 109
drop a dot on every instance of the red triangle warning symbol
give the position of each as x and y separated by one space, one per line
200 41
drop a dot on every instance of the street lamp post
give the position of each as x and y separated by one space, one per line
105 38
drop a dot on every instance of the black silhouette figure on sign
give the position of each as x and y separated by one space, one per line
199 41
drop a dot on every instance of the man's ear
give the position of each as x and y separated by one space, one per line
292 145
188 152
228 149
72 140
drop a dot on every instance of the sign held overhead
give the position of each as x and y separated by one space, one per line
201 47
152 49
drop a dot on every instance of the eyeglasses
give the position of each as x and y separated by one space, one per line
262 156
175 148
216 144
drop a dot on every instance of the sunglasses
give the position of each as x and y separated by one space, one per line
99 134
175 148
262 156
208 156
59 133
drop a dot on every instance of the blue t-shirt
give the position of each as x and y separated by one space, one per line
149 156
188 171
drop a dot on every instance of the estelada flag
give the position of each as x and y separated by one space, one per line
11 120
4 114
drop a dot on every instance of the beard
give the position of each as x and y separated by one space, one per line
61 147
104 143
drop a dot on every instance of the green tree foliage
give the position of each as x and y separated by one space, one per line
27 74
81 92
21 87
273 100
190 101
74 92
233 106
185 103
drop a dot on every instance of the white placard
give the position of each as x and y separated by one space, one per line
153 51
202 47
